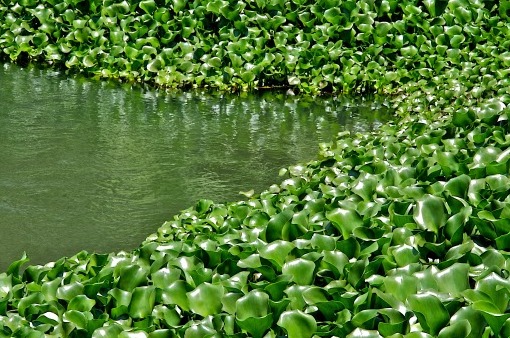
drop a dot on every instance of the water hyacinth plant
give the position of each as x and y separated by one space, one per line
313 46
403 232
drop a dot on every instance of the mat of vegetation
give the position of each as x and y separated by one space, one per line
324 45
404 232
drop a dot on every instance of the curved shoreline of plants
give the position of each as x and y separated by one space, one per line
403 232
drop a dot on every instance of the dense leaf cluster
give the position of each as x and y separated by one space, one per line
404 233
399 233
315 46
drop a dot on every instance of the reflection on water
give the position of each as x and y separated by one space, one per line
98 166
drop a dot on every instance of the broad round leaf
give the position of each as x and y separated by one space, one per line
298 324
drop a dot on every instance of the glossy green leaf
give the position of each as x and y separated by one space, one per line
179 5
276 225
300 270
401 287
256 326
142 301
454 279
14 267
497 288
111 331
78 319
199 331
491 314
215 6
431 313
344 220
359 333
298 324
276 251
69 291
254 304
333 15
473 317
132 276
429 213
81 303
149 6
458 186
405 255
176 293
205 300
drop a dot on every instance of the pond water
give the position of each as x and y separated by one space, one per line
98 166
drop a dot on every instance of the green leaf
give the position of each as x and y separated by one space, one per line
362 333
253 304
365 188
81 303
215 6
276 225
409 51
176 293
454 228
405 255
503 242
401 286
298 324
323 242
69 291
474 318
276 251
15 266
462 14
333 15
458 186
382 28
484 156
214 62
199 331
457 40
463 117
170 316
344 220
429 213
149 6
247 76
497 288
132 276
111 331
205 300
27 302
179 5
431 313
301 271
163 277
88 61
155 65
454 279
5 285
133 334
77 318
142 301
256 326
336 261
492 315
361 318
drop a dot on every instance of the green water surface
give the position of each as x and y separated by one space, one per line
98 166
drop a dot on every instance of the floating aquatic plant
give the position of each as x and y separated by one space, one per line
398 233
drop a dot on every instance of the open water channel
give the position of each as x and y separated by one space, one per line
98 166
